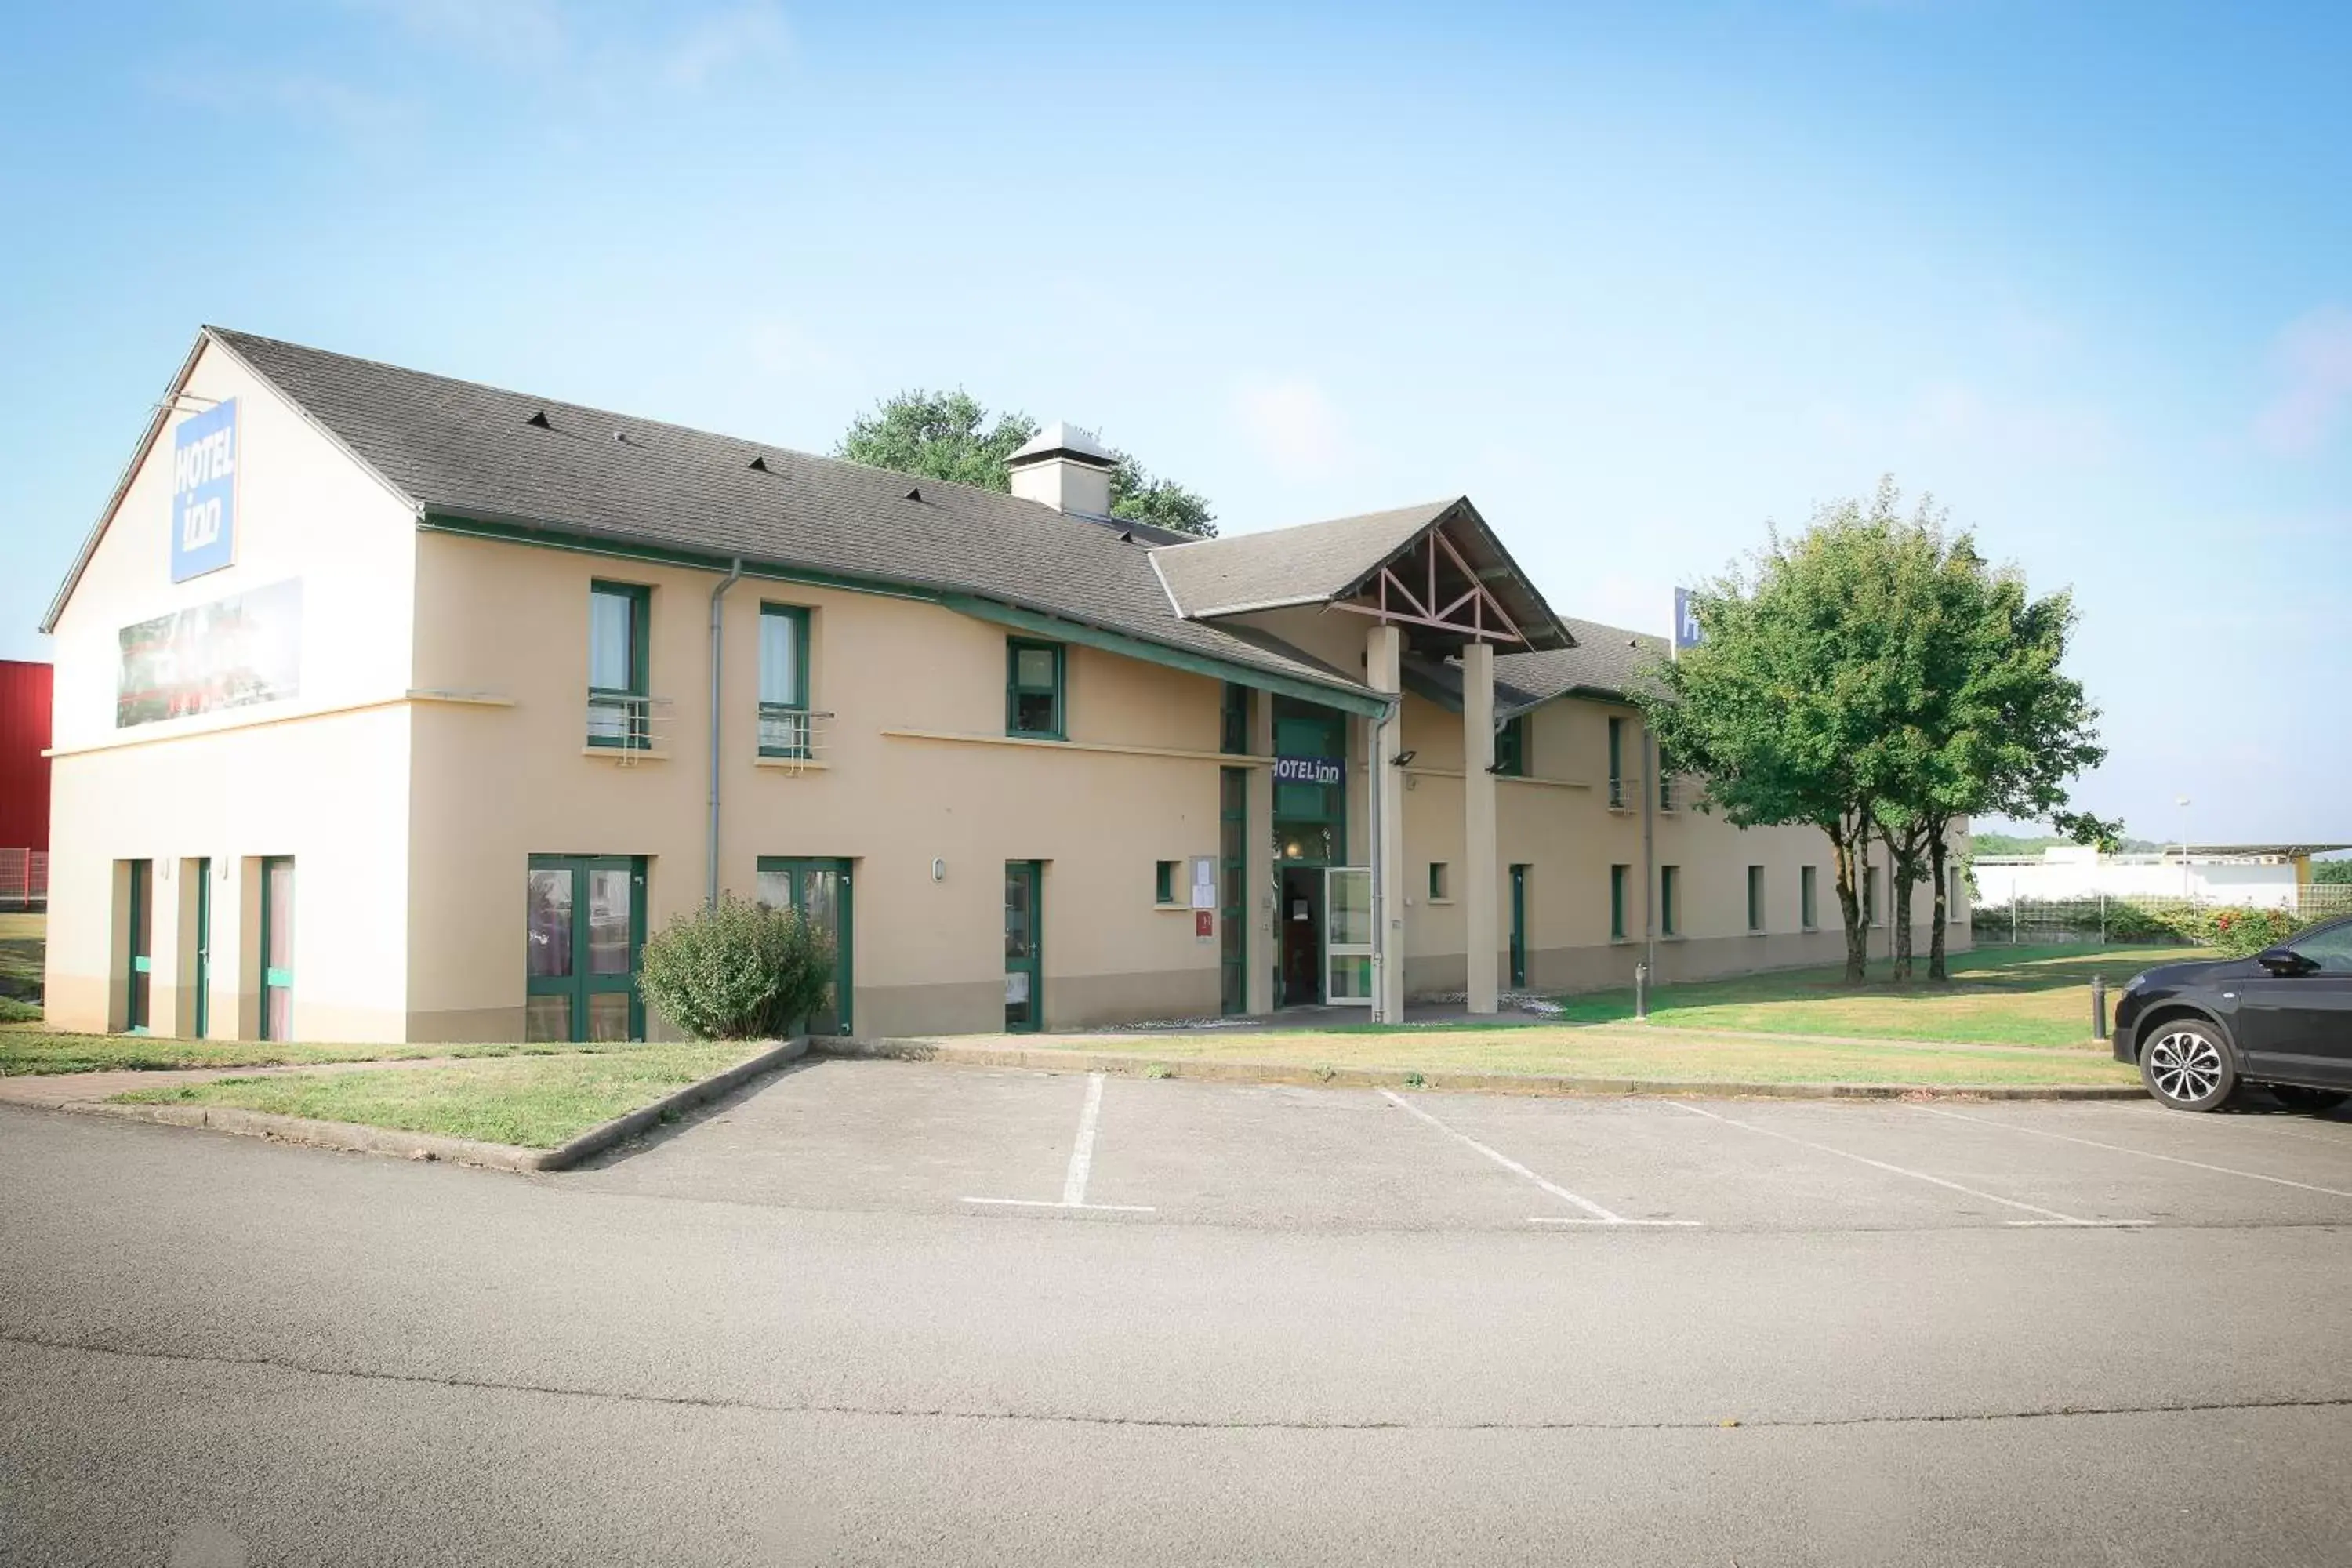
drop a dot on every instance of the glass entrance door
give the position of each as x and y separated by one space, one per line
1348 935
820 890
585 922
1025 1000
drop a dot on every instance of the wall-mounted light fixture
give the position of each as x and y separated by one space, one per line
939 870
1404 759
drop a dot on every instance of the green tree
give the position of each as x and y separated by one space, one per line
2331 872
950 436
1794 707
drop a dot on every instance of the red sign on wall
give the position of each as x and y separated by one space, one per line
1204 925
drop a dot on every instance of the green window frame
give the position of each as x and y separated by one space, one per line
1670 879
1437 878
1310 821
577 977
1024 688
1164 881
801 882
1809 903
1755 898
1233 898
1616 762
1511 747
1619 875
786 729
620 715
1233 720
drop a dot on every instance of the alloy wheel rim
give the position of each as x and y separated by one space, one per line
2185 1066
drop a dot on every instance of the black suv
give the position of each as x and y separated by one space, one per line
2281 1018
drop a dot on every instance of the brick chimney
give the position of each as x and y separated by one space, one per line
1067 468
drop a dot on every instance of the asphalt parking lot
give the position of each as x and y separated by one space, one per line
1019 1144
883 1312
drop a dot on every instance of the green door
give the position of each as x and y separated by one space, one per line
1025 948
820 890
1518 928
140 976
585 927
203 976
277 948
1233 894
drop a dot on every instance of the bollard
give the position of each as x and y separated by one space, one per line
2098 1006
1641 990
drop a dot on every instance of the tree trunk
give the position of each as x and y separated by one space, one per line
1857 936
1901 872
1937 852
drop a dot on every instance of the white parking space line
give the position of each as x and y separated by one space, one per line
2143 1154
2049 1216
1082 1164
2261 1126
1593 1213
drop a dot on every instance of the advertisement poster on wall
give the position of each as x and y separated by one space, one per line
230 653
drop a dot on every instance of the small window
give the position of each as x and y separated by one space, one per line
1511 748
785 727
1755 898
1164 881
619 626
1670 880
1952 912
1617 761
1665 781
1032 688
1619 875
1437 884
1809 910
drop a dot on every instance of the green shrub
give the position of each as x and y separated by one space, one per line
737 970
12 1011
2243 932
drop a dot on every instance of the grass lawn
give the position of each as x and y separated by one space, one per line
22 940
533 1102
1628 1051
2002 995
32 1049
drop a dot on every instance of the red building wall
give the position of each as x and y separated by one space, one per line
23 772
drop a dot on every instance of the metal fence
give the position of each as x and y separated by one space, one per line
2100 918
23 879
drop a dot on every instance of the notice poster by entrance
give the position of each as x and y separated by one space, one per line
230 653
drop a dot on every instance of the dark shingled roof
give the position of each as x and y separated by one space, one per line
459 448
1607 662
1288 565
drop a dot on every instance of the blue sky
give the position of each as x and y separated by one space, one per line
1637 279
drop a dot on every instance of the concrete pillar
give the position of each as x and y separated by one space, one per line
1481 900
1384 653
1263 904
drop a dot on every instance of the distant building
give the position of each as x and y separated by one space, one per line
2272 876
24 767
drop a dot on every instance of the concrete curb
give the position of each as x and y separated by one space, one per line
1135 1065
352 1138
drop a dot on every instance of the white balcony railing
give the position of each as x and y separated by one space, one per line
790 735
627 723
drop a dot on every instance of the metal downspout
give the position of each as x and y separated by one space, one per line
1378 781
1649 851
718 656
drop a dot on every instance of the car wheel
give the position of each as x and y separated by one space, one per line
2312 1100
2187 1067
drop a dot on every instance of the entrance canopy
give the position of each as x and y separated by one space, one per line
1436 571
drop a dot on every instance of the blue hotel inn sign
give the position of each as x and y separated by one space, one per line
203 492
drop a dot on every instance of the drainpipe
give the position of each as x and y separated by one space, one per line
1649 852
718 656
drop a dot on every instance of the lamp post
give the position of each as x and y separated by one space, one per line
2183 801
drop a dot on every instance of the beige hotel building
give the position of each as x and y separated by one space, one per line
390 707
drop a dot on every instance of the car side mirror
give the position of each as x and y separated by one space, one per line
2284 961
